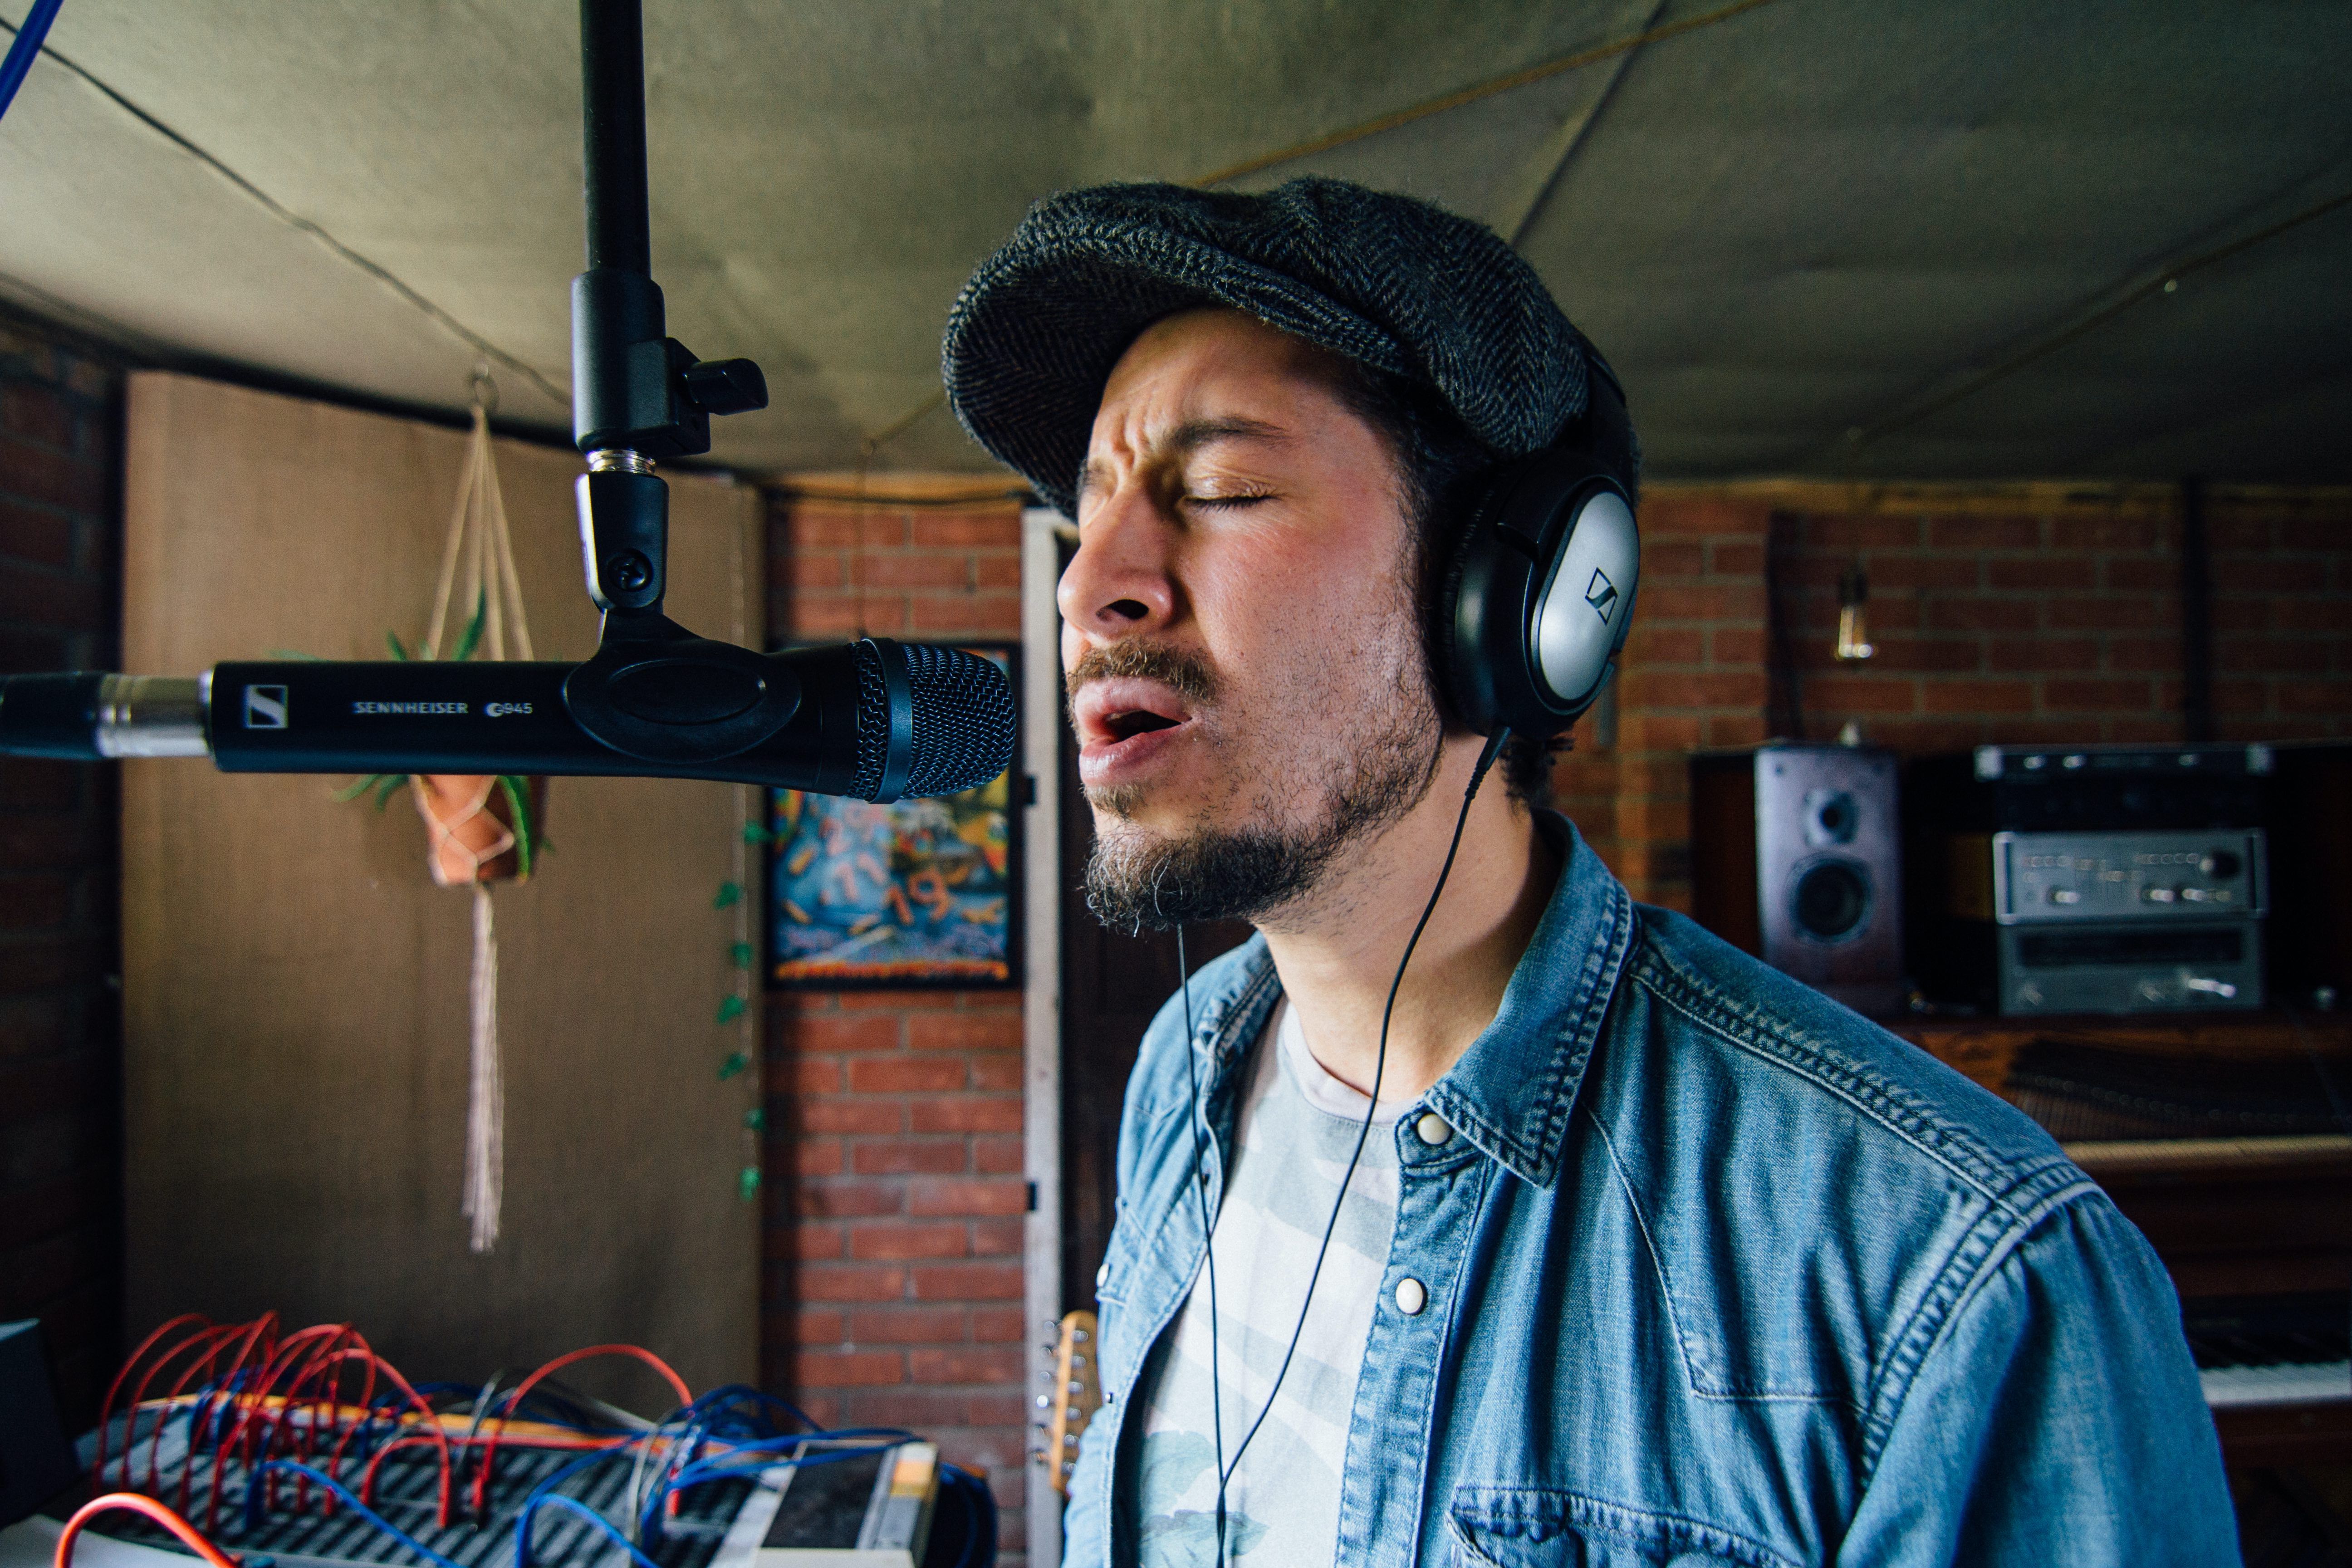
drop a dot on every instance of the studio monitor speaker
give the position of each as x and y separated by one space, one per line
1795 857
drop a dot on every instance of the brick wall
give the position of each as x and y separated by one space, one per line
2028 613
892 1289
60 1101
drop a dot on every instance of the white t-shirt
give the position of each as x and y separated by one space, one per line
1297 1128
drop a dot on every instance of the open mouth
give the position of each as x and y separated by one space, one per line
1136 722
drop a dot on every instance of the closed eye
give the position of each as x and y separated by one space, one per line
1222 501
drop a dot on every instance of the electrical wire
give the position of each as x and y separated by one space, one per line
19 59
1225 1472
343 1493
141 1503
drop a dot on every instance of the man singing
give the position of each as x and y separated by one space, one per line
1581 1238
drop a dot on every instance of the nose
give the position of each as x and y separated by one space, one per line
1122 581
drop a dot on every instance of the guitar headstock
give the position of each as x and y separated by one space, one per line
1072 1401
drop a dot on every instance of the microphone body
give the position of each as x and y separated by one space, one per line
874 719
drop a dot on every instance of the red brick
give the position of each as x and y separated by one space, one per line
28 533
2146 574
968 1366
816 1156
1734 730
996 1072
2330 698
1970 613
1662 558
2096 696
905 1075
934 1197
45 963
814 1326
967 1113
965 1032
40 598
32 1026
2309 533
914 571
2036 655
1847 533
1684 602
921 1409
819 1074
2155 654
807 1241
30 903
2042 574
1893 575
1984 533
850 1283
1650 644
847 1369
999 1325
2302 614
1656 732
868 1033
2272 656
997 1237
1664 514
1859 694
903 1157
831 615
1732 646
851 1199
1976 697
967 1281
967 615
890 1001
1735 558
998 527
809 569
2078 532
830 1115
2116 611
38 412
900 1242
1943 656
997 1156
910 1325
36 473
996 571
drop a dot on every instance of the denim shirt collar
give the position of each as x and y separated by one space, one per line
1512 1091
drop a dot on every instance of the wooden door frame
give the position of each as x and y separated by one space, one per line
1041 1081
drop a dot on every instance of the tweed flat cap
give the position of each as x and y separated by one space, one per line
1387 280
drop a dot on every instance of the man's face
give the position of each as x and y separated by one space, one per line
1238 626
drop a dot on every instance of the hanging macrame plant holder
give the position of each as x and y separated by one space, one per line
482 828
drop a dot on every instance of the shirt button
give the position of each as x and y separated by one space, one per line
1432 1129
1411 1296
1102 1277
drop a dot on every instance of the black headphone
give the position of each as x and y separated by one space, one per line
1537 593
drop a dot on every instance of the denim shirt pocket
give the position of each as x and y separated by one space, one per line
1525 1527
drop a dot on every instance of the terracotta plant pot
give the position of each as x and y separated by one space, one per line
471 821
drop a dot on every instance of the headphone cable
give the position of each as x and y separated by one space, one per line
1225 1472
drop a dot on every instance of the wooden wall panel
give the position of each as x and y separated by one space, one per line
296 986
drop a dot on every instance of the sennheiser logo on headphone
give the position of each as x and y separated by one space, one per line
265 708
1602 594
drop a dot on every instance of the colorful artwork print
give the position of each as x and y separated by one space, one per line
918 892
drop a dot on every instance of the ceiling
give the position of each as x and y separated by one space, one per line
1815 236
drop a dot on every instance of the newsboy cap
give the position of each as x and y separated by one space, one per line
1387 280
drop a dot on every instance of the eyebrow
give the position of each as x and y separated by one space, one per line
1194 434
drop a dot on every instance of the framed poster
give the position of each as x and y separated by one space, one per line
918 892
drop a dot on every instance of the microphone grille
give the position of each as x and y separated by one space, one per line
873 721
964 721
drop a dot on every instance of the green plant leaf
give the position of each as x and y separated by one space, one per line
747 1185
755 834
472 637
731 1009
730 895
742 954
756 1118
354 790
734 1063
297 652
391 786
392 640
518 793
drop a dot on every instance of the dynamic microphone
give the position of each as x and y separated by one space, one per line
875 718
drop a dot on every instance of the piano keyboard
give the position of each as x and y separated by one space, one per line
2274 1352
2286 1382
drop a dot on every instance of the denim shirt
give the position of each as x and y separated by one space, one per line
1716 1272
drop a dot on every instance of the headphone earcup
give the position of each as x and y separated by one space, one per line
1536 595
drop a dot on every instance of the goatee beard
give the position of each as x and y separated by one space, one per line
1139 881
